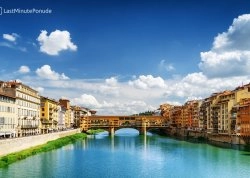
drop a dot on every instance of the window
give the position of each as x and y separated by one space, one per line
1 120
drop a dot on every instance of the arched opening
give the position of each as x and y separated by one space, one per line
126 132
153 131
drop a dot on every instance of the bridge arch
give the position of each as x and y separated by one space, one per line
126 131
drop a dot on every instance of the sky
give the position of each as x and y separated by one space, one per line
125 57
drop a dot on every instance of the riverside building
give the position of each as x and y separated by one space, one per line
8 116
49 115
27 107
222 113
65 108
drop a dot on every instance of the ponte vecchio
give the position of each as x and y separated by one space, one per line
113 123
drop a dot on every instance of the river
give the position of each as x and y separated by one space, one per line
128 154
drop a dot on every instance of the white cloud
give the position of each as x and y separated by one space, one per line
228 58
146 82
165 66
56 42
230 54
87 100
45 72
39 89
24 69
10 37
111 81
109 87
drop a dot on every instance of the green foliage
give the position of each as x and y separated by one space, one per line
147 113
11 158
95 131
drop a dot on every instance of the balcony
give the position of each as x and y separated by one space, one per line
29 126
46 121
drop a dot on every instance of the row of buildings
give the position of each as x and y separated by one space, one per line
226 112
24 112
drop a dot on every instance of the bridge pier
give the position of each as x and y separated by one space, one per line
111 131
143 130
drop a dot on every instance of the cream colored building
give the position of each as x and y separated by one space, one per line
28 107
8 116
61 117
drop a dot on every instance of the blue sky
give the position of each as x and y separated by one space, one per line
124 57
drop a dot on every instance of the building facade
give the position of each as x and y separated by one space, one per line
65 103
49 115
28 107
8 116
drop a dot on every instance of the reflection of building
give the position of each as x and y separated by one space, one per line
8 117
49 115
28 107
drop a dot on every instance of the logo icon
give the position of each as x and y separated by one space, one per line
1 10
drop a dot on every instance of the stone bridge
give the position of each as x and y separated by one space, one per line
113 123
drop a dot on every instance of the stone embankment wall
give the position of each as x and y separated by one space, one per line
208 137
12 145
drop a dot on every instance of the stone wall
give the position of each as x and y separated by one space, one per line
230 139
12 145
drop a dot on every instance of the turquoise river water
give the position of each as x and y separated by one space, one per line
130 155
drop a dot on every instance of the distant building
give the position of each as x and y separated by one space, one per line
61 117
79 112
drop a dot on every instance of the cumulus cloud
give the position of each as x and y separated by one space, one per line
46 72
197 85
10 37
111 81
146 82
87 100
55 42
165 66
110 87
24 69
230 54
39 89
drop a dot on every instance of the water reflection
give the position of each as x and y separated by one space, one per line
133 156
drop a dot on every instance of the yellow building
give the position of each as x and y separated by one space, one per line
49 115
225 104
242 92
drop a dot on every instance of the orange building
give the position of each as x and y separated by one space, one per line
243 117
177 116
166 112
